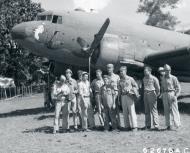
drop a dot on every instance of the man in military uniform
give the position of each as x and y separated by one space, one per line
161 72
79 82
151 92
86 106
114 79
128 90
60 91
72 83
96 87
170 88
108 93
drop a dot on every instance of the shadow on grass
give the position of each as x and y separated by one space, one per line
24 112
49 130
43 117
44 129
184 107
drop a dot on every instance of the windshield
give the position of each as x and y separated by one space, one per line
54 18
44 18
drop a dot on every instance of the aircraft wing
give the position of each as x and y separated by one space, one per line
178 59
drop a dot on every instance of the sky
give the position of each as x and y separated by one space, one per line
126 8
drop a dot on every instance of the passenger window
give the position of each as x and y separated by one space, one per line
57 19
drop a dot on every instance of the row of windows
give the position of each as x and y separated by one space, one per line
53 18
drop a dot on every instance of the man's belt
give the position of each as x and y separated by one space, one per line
169 91
86 96
149 91
97 92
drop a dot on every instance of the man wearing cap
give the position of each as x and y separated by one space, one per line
161 76
96 87
108 93
86 106
128 90
161 72
72 83
151 92
79 82
114 80
60 91
171 90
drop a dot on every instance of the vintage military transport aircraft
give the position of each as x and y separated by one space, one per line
75 37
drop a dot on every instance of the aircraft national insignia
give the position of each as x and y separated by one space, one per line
39 30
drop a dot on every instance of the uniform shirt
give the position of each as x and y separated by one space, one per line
114 78
127 85
72 83
60 91
96 85
84 89
107 93
170 83
151 83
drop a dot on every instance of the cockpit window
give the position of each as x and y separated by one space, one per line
54 18
49 17
57 19
42 18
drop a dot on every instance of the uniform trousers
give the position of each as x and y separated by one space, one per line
151 111
129 113
64 107
110 113
73 106
79 109
171 109
99 108
87 114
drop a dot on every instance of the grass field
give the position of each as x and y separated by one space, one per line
25 127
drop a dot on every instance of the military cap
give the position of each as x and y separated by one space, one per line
83 73
148 68
110 66
62 78
79 72
98 70
123 68
167 67
106 76
69 71
160 69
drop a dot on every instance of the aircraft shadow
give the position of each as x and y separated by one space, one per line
184 107
24 112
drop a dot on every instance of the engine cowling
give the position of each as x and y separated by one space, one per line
108 51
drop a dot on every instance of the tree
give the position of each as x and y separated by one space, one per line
157 14
16 62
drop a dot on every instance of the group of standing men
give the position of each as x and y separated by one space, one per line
109 93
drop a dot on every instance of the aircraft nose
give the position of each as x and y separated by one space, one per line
19 31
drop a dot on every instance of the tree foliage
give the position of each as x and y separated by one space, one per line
15 61
157 13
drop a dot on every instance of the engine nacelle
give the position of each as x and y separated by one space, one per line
108 51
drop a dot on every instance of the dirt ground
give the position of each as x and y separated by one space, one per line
25 127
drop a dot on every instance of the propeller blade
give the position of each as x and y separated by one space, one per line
84 45
98 37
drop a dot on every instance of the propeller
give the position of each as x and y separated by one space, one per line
89 49
97 39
